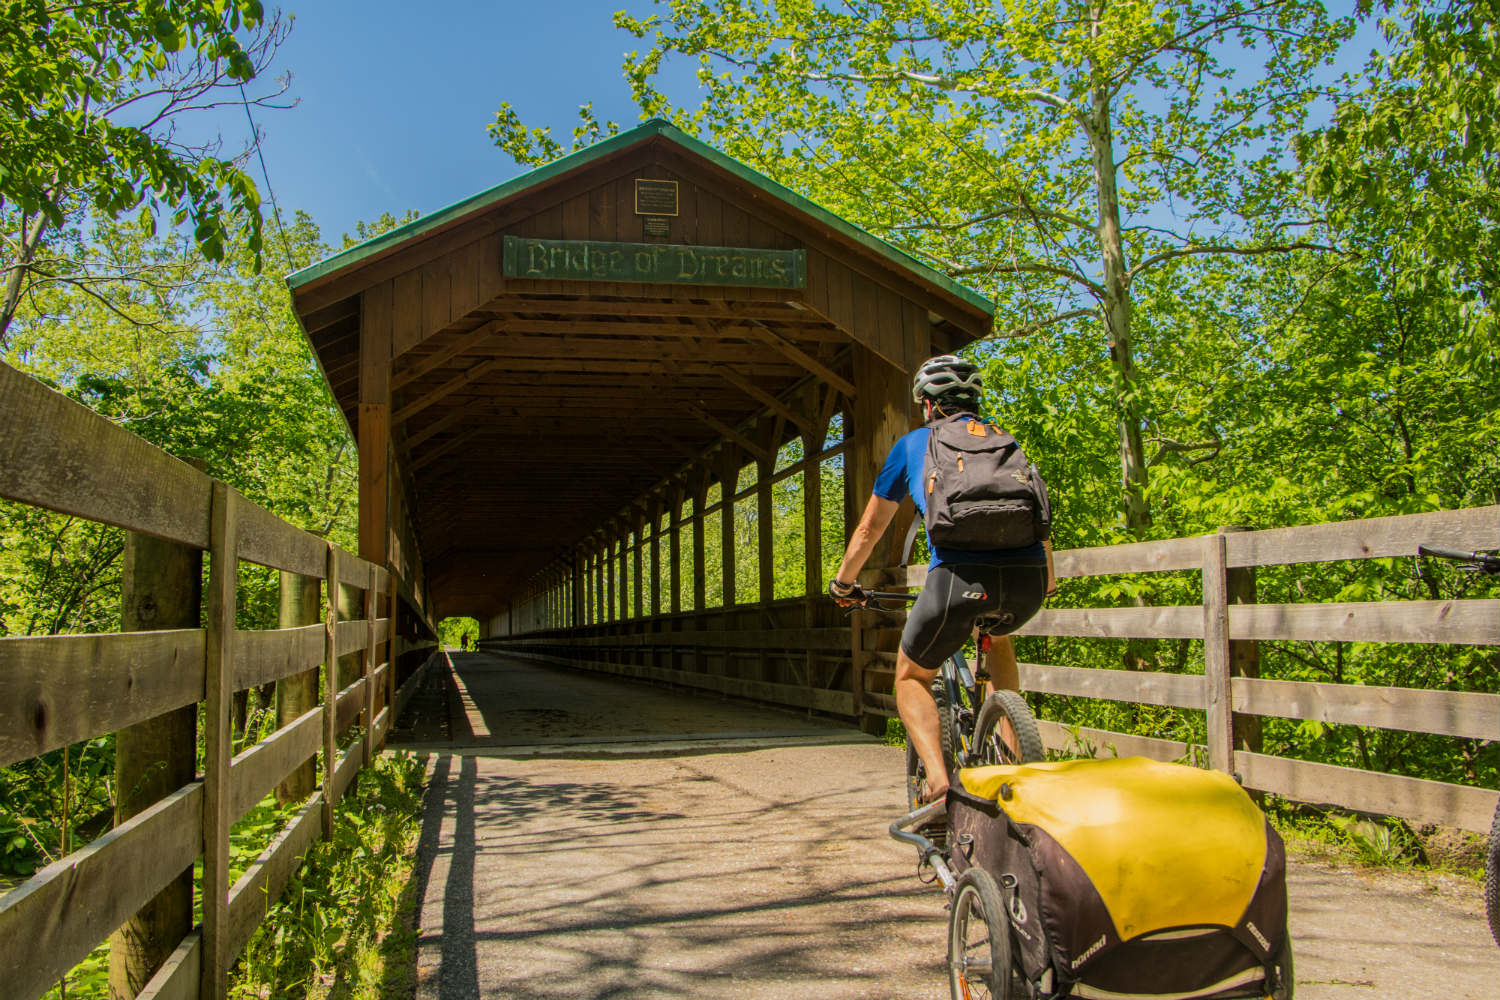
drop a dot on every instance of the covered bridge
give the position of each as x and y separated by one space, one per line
557 382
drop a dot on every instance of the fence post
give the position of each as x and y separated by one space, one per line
298 694
372 609
1244 654
674 547
161 588
392 651
1216 701
330 684
223 578
812 541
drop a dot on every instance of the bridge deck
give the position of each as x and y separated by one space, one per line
589 837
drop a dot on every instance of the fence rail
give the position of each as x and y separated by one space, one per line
1218 622
58 690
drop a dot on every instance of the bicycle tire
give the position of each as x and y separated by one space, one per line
947 725
916 771
1492 877
978 956
991 749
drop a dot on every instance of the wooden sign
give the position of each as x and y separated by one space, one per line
657 263
655 197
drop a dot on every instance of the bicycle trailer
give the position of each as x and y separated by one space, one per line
1127 878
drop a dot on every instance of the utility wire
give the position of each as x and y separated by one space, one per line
286 247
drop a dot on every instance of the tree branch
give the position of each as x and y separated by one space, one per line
1026 329
1212 248
1059 272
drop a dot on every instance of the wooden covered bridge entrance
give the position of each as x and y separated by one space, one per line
588 404
574 395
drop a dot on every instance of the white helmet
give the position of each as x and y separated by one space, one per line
945 375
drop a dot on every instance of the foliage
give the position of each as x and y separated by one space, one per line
343 925
93 103
345 916
452 632
1056 154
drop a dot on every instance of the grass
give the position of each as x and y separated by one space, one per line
343 928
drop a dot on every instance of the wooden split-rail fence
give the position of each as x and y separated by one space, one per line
58 690
796 653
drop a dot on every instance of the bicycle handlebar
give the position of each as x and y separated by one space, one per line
886 595
1489 563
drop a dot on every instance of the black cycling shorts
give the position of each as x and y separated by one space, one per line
955 595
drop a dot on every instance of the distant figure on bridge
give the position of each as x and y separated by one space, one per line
974 577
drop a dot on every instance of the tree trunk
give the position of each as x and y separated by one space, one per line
1116 308
301 599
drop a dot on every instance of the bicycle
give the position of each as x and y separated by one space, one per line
1488 564
971 725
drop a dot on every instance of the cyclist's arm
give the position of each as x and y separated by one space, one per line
872 524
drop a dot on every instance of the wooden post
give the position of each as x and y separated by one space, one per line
674 547
223 577
812 537
296 695
600 595
614 580
330 684
700 578
880 415
765 535
655 560
638 588
161 588
729 476
1216 696
392 651
367 714
1244 654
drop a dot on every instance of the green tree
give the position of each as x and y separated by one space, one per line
93 100
1057 153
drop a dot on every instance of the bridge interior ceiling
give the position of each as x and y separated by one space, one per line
544 417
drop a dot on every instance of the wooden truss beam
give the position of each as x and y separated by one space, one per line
791 350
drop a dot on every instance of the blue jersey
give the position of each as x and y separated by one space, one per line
901 477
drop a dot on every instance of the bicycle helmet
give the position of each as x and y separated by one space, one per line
947 375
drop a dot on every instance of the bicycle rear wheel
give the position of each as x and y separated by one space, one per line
1492 877
990 742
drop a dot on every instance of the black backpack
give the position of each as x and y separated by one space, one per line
981 492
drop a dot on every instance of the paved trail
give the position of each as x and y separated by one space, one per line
611 840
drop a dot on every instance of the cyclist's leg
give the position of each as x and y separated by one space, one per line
1005 673
919 714
935 629
1019 592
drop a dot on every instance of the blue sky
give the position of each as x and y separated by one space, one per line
394 98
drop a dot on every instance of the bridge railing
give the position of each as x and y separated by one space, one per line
57 690
1222 625
783 652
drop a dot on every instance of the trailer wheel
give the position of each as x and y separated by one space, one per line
979 965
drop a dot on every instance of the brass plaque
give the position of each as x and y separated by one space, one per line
655 197
658 263
657 225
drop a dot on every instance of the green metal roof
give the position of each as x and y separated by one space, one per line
583 157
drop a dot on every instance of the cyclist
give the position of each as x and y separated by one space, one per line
962 585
